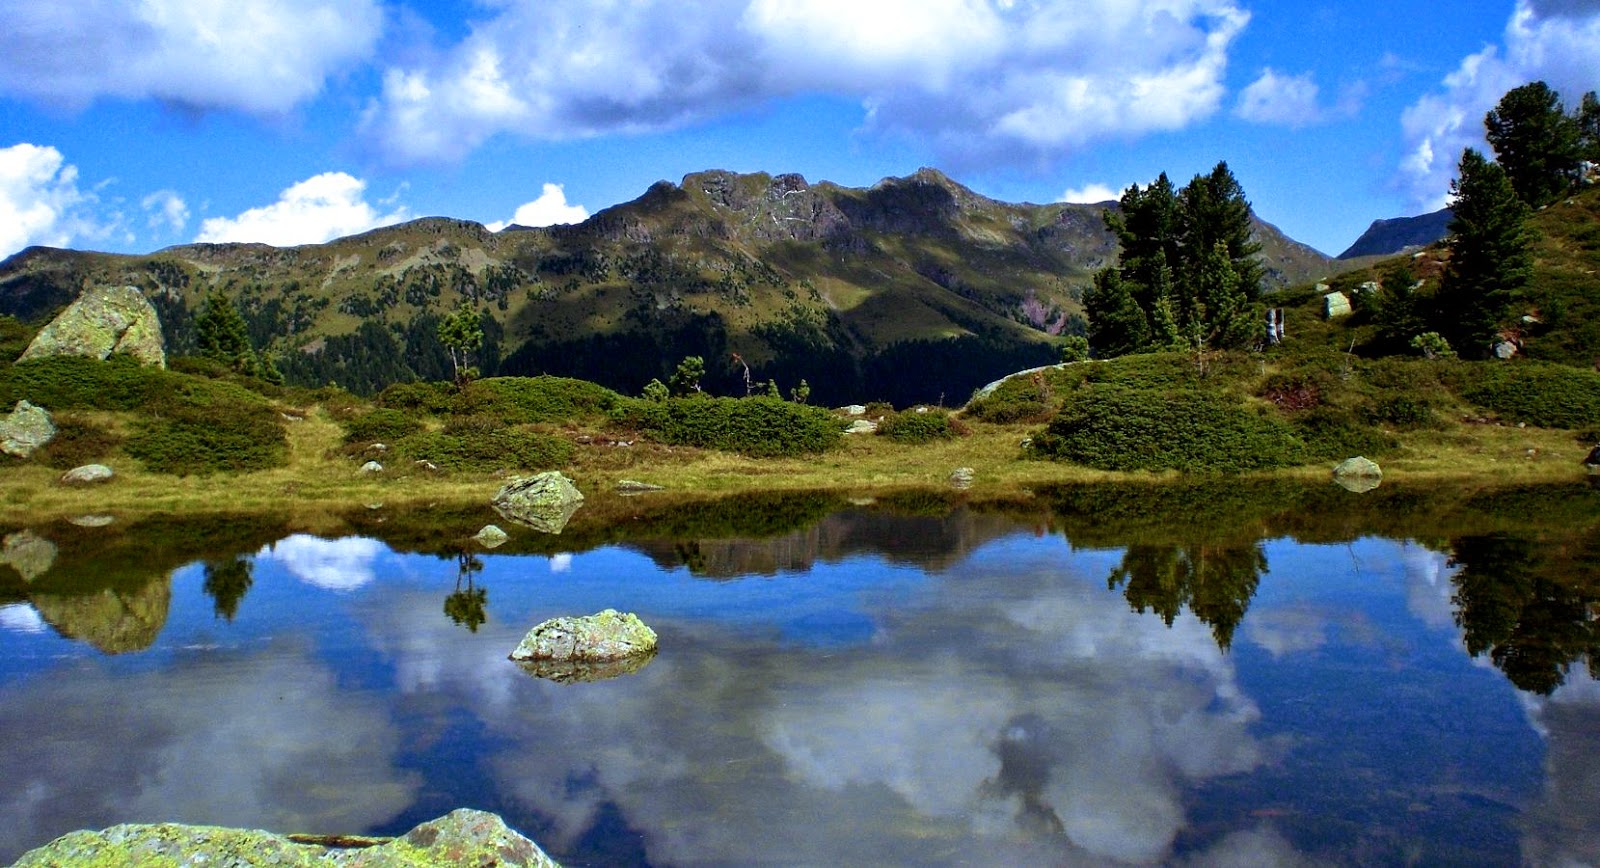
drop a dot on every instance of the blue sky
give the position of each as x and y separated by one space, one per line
131 125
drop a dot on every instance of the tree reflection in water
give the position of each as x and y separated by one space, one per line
1216 583
467 606
1530 605
226 582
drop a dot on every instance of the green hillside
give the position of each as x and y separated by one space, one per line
913 290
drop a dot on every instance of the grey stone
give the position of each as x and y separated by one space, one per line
862 426
544 501
854 410
88 474
1358 474
961 478
1593 461
491 536
607 636
462 837
25 429
93 520
633 486
1505 350
372 467
28 553
104 320
1335 304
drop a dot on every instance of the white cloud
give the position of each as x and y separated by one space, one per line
21 618
261 56
167 210
980 80
549 209
321 208
1091 194
1284 100
337 565
40 202
1549 41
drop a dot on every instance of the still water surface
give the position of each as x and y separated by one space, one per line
1066 680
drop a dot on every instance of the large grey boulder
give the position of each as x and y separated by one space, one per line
104 320
462 837
88 474
25 429
544 501
1358 474
587 648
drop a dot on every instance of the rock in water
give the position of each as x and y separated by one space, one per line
491 536
28 553
25 429
104 320
462 837
1358 474
544 501
961 478
580 643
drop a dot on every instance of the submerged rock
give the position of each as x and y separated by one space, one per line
544 501
104 320
25 429
490 536
633 486
583 671
462 837
961 478
608 636
1358 474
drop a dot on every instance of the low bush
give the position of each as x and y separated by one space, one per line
1333 434
527 400
198 439
81 383
434 398
1135 429
1016 400
484 452
77 442
917 427
760 427
1539 393
380 425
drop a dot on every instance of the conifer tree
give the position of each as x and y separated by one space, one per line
1535 142
221 334
1491 255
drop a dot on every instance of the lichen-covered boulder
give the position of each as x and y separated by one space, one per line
104 320
462 837
88 474
544 501
25 429
961 478
490 536
605 637
1358 474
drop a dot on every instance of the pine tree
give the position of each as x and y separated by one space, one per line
1491 255
221 334
1535 142
461 335
1117 325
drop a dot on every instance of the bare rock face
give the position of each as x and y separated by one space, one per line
588 648
104 320
462 837
25 429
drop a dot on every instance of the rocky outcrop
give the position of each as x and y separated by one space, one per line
1388 237
26 429
1358 474
544 501
588 648
104 320
462 837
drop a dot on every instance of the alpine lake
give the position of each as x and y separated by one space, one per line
1239 672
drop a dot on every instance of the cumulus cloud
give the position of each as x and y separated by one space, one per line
1284 100
549 209
40 202
334 564
1091 194
1004 81
167 211
260 56
1544 40
21 618
320 208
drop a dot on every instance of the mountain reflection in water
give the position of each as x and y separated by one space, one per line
1250 674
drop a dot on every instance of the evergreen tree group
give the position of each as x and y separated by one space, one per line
1189 274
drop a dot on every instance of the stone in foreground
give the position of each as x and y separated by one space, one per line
1358 474
104 320
462 837
604 637
88 474
544 501
491 536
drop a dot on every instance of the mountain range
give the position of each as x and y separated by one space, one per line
916 289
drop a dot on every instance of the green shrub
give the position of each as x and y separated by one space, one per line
761 427
381 425
483 452
1404 412
526 400
1331 433
435 398
1129 429
198 439
917 427
1015 400
81 383
77 442
1538 393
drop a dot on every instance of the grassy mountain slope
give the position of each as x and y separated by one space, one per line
910 290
